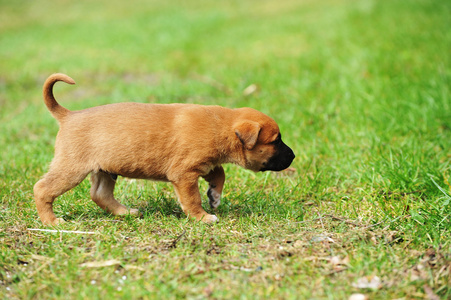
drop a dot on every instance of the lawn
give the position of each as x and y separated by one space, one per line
360 90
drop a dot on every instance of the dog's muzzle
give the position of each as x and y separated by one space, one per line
280 160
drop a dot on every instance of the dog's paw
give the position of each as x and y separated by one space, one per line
209 219
134 212
214 198
59 221
124 210
54 222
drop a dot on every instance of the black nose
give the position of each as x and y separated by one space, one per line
292 156
281 160
289 157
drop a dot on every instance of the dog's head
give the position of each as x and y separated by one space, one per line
262 142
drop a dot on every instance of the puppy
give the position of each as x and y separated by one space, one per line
169 142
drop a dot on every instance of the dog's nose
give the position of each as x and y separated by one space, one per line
289 154
292 156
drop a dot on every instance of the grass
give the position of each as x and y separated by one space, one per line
360 89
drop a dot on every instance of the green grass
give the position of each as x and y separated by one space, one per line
360 89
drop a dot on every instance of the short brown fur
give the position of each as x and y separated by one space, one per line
170 142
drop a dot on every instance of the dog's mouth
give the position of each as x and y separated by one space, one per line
281 160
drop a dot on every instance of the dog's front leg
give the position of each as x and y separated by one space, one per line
187 191
216 180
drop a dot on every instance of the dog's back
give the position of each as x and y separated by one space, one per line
126 138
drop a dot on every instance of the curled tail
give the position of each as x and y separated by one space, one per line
55 109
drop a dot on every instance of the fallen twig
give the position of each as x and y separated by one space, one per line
334 218
389 193
374 225
345 221
174 242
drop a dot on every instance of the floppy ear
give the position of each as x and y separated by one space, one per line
248 132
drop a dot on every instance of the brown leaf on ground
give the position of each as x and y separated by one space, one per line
430 293
368 282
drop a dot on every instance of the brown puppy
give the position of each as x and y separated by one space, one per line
170 142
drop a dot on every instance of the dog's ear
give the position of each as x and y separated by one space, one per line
248 132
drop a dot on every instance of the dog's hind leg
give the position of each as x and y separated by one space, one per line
55 183
102 194
216 179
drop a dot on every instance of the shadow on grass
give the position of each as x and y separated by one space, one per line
236 204
238 207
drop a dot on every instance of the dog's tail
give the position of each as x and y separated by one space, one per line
55 109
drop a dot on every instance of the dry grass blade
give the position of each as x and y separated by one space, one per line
101 264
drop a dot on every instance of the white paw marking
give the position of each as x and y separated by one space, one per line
214 197
59 221
134 212
210 219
